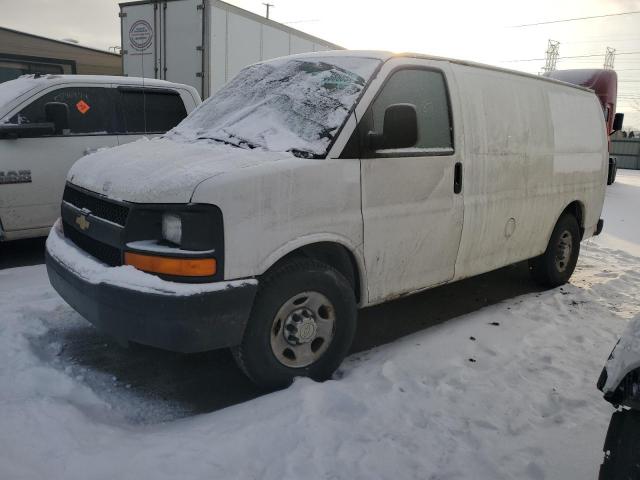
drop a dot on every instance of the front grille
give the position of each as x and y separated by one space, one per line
103 252
99 207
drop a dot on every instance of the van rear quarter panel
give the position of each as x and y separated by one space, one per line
531 148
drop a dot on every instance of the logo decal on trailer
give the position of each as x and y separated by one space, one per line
140 35
15 176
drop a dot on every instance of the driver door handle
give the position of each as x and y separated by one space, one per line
457 178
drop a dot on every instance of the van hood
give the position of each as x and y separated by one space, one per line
161 170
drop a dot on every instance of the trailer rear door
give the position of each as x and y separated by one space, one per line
182 42
164 40
139 25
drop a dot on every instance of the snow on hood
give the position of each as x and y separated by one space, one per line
625 356
161 170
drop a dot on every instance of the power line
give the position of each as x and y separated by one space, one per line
571 56
574 19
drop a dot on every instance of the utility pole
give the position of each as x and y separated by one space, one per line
553 50
268 5
609 58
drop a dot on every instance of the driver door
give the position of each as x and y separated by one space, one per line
33 202
411 197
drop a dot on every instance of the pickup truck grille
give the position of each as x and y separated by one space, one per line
99 207
103 252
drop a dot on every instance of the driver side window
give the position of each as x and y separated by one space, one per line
91 110
426 90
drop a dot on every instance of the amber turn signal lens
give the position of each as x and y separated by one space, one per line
182 267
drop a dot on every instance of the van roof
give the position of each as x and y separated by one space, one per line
384 56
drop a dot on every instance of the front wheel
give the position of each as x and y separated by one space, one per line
556 265
302 324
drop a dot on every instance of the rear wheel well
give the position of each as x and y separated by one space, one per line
333 254
576 209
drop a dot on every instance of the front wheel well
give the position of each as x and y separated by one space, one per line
333 254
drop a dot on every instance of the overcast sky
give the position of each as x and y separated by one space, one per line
473 30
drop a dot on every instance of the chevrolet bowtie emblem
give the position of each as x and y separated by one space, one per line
82 222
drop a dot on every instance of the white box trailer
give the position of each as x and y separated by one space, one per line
202 43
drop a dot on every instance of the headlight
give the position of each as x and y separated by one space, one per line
172 228
181 241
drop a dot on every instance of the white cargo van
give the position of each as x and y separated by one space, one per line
318 183
47 122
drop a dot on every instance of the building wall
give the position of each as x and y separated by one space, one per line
22 47
627 151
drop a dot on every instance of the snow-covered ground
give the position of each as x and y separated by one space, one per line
507 391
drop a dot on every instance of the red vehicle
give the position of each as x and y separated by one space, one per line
605 85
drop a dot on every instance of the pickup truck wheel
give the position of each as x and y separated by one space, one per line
302 324
556 265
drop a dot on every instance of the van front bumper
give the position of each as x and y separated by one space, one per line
134 306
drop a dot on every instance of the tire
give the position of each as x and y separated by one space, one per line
622 447
556 265
302 323
613 170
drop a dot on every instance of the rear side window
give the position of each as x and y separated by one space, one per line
146 111
91 110
426 90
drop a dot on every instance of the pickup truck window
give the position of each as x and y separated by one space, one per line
91 110
426 90
151 112
292 105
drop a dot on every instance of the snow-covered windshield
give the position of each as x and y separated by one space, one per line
12 89
286 105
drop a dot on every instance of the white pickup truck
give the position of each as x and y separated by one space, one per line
315 184
47 122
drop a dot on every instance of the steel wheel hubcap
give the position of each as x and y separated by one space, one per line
303 329
563 251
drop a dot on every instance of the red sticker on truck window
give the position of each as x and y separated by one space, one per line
83 107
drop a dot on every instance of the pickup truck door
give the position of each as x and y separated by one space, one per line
150 112
30 199
412 202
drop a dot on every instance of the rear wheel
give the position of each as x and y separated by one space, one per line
556 265
302 324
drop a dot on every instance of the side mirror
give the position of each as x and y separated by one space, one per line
400 129
617 122
58 114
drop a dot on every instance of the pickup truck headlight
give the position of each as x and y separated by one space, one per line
172 228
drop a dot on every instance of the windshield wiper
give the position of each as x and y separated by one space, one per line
241 142
227 142
304 153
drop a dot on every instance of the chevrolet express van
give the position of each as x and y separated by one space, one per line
47 122
315 184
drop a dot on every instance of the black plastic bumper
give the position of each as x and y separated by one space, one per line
195 323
